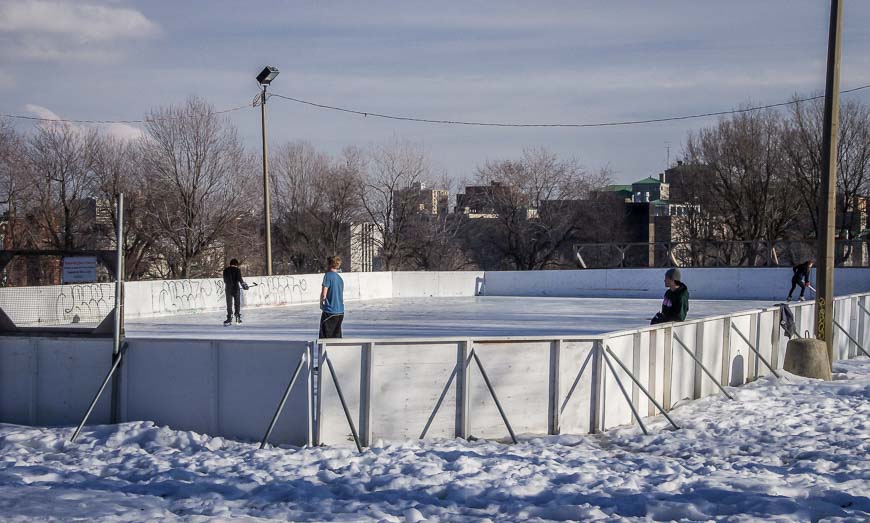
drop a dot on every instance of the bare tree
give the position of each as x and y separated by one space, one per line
386 201
61 159
539 207
803 141
200 182
434 238
15 182
316 203
752 198
118 168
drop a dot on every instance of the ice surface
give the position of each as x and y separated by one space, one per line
434 317
785 450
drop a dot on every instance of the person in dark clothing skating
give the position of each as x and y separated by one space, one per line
675 306
234 283
800 278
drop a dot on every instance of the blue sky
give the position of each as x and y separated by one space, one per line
526 62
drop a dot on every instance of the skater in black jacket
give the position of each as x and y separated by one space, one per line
801 278
234 283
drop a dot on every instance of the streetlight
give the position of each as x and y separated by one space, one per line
264 79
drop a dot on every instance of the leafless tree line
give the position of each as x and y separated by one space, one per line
187 184
194 195
757 175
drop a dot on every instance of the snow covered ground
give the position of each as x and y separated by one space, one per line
785 450
434 317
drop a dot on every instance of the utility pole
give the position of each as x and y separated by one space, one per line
266 211
264 79
824 328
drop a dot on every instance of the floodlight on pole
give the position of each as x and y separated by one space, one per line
264 79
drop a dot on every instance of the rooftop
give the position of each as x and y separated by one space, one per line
648 181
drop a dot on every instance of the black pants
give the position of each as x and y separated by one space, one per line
658 318
798 282
234 298
330 325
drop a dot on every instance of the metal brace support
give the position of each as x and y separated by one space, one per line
707 372
837 324
494 397
99 393
280 408
441 398
756 351
624 393
641 387
341 399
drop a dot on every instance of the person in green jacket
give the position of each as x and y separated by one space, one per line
675 306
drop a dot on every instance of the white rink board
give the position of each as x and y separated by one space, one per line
51 381
519 373
739 283
407 381
220 388
576 409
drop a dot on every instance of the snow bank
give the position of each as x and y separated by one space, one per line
786 450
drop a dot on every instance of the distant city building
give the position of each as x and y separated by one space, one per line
650 189
365 245
481 201
433 202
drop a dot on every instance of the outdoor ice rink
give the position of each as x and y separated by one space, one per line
434 317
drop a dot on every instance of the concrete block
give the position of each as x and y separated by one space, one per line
808 357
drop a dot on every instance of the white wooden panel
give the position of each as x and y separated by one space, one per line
407 380
741 354
519 372
18 375
346 359
683 369
642 364
252 378
616 410
575 415
70 372
172 383
766 326
711 355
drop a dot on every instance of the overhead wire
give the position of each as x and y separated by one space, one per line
596 124
455 122
69 120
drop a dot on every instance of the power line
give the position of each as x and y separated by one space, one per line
456 122
66 120
598 124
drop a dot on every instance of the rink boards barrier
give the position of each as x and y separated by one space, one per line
61 304
219 387
394 388
399 389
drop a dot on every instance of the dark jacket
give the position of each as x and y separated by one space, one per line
675 306
233 279
801 272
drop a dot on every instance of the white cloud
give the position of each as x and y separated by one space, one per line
81 21
120 131
41 112
123 131
48 30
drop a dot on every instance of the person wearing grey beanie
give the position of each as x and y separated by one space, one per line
675 305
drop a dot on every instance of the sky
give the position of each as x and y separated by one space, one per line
506 61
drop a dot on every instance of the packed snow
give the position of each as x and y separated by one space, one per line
434 317
786 450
